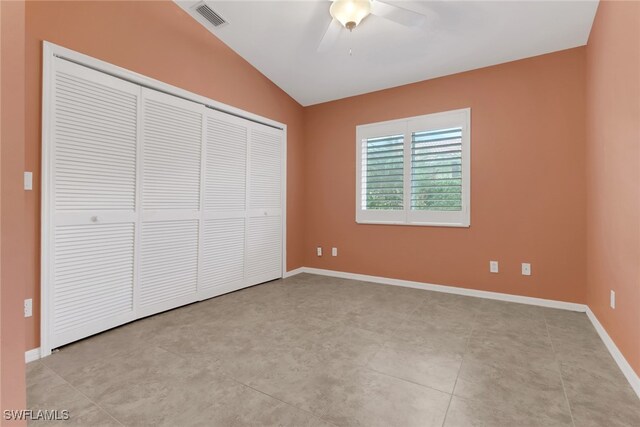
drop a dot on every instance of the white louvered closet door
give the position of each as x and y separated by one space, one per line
93 162
150 202
224 216
172 131
264 214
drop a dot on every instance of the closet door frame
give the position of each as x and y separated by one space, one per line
50 53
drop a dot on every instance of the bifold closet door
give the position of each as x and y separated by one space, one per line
172 134
264 213
92 209
225 202
150 202
242 216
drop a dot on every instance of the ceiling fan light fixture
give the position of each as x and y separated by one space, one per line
350 12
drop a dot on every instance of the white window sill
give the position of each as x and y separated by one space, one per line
419 224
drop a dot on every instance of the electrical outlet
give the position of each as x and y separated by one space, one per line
612 301
334 251
319 251
526 269
493 266
28 307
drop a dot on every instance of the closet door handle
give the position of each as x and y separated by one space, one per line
94 219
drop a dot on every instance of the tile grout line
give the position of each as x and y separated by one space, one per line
87 397
466 347
406 380
286 403
555 356
365 366
384 344
406 316
232 378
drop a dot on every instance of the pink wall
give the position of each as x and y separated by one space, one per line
12 207
527 182
613 173
160 40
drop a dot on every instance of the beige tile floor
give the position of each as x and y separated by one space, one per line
317 351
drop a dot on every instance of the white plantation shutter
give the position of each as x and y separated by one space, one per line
415 171
94 129
383 177
436 170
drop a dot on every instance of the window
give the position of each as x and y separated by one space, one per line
415 171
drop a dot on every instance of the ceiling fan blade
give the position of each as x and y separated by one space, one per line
330 36
397 14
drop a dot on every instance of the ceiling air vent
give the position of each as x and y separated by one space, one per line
210 15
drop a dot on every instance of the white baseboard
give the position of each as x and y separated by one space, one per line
447 289
627 370
624 366
293 272
32 355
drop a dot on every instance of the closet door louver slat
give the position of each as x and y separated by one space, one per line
169 263
97 288
79 141
226 163
223 254
172 145
264 258
265 172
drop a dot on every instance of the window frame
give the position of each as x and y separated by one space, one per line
447 119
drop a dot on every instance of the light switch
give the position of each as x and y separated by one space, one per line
612 301
526 269
28 181
28 307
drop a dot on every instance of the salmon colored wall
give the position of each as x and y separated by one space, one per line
527 182
160 40
613 173
12 208
529 157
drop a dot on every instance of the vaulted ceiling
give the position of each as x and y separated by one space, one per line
281 39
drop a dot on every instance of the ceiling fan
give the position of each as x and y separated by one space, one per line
349 13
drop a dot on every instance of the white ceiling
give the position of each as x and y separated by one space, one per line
280 38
